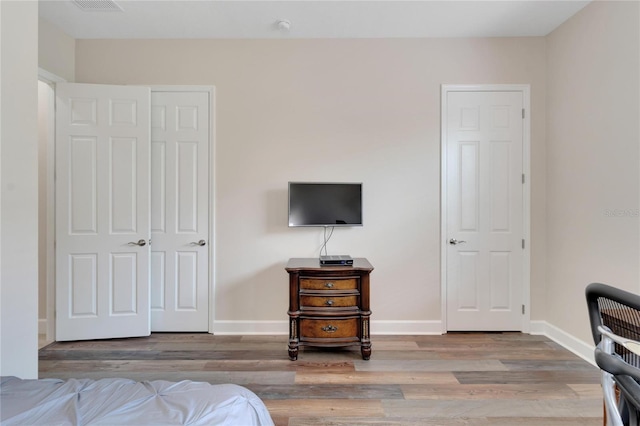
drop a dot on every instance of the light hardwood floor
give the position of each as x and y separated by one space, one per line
455 379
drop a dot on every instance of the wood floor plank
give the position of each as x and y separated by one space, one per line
84 354
550 364
544 421
280 365
504 355
155 354
582 408
213 377
440 421
325 408
429 365
394 377
324 366
505 377
593 391
124 366
101 345
492 391
330 391
395 345
319 354
389 354
192 337
484 345
276 347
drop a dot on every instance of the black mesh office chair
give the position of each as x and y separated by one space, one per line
615 324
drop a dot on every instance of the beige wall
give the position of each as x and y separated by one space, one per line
18 199
593 161
56 51
331 110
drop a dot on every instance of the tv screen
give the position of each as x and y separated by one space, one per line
325 204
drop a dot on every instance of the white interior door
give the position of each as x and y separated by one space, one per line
484 220
180 211
102 211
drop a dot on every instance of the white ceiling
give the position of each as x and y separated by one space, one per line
311 18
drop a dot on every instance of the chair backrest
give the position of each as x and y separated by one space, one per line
615 317
619 311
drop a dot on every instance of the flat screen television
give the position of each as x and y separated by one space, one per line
325 204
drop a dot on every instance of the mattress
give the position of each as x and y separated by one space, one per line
126 402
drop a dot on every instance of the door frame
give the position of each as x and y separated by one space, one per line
50 275
211 90
525 89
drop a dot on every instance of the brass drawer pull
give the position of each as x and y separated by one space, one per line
330 328
328 285
329 302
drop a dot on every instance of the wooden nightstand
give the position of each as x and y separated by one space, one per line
328 305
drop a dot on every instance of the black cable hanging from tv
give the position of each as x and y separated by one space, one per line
326 239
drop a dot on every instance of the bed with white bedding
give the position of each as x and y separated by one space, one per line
127 402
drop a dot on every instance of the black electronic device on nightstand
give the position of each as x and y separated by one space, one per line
344 260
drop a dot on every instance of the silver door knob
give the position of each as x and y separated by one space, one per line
453 241
140 243
199 243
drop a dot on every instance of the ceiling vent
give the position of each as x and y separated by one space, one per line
98 5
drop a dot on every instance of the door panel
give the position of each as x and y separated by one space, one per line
102 206
83 285
82 184
484 210
187 186
180 213
123 173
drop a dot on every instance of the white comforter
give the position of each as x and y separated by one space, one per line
126 402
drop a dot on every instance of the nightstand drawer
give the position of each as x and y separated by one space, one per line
329 328
329 301
328 284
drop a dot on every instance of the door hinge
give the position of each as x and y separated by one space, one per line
523 243
523 178
522 309
523 113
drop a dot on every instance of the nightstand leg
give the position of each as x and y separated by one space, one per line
366 351
293 339
293 352
365 342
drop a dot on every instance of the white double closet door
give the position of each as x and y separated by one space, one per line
132 211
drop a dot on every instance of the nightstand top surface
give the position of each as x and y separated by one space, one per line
299 263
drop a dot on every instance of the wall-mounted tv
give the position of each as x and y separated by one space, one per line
325 204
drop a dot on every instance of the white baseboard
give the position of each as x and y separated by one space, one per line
282 327
582 349
42 326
